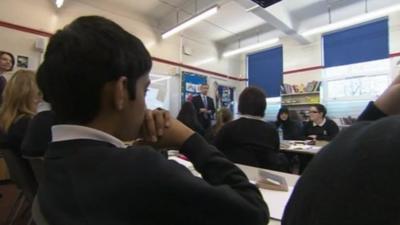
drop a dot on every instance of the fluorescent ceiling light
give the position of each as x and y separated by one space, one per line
191 21
59 3
250 47
353 20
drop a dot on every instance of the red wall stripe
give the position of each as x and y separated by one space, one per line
394 54
197 69
47 34
303 70
25 29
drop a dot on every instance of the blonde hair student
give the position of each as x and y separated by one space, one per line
19 99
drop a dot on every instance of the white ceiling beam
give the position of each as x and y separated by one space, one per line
276 15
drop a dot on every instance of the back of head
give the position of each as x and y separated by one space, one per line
252 101
19 98
224 115
187 115
81 58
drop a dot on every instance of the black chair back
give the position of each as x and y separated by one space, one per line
37 164
37 215
21 173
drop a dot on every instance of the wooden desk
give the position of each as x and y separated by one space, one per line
274 207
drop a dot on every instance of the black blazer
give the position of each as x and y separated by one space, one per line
14 137
93 182
38 135
327 132
251 142
204 118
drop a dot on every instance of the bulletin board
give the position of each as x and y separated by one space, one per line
191 83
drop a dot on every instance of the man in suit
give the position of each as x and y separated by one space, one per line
92 177
204 106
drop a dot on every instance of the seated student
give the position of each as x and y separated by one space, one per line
249 140
292 130
99 102
354 180
320 127
20 100
188 116
38 135
223 116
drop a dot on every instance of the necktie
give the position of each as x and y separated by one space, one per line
205 101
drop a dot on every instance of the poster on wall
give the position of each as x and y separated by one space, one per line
191 83
224 96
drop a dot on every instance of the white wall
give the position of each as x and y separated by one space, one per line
20 44
42 15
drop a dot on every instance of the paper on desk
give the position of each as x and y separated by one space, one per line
276 201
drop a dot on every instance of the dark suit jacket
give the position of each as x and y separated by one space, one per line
354 180
38 135
93 182
204 118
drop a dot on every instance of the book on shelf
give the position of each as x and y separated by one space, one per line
312 86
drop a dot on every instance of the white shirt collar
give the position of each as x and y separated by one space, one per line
321 124
72 132
43 106
252 117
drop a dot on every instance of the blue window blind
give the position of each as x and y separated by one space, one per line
265 70
359 44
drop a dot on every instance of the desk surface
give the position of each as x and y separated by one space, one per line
299 147
276 200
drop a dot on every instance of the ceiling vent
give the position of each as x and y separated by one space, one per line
265 3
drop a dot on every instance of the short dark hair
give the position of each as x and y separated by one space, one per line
252 102
11 56
188 116
81 58
321 108
282 110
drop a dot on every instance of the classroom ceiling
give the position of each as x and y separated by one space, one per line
234 22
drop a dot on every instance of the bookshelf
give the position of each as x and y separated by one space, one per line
298 94
300 99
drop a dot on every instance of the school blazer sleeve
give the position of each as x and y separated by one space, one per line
223 196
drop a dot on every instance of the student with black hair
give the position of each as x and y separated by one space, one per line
320 127
188 116
291 129
249 140
354 180
96 76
